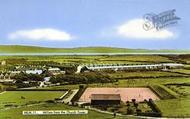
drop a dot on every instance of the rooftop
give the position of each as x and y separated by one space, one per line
105 97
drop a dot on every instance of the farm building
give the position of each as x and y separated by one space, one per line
105 99
36 71
55 71
3 62
129 67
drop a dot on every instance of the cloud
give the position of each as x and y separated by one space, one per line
134 29
41 34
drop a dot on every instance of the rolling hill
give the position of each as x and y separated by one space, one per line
37 49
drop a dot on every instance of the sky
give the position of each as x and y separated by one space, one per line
84 23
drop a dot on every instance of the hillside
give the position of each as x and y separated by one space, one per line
36 49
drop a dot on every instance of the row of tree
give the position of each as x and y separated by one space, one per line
28 77
82 78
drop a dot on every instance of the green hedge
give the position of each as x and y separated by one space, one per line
163 92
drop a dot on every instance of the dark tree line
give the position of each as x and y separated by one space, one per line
31 78
28 77
83 78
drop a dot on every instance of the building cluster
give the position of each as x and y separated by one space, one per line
7 76
97 67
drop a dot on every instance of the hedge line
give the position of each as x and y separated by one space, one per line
41 89
156 111
163 92
82 88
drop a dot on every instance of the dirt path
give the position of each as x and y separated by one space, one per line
2 92
68 100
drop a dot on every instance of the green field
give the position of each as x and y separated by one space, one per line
175 107
18 98
129 83
143 82
137 58
10 114
181 89
83 60
167 106
143 74
163 92
185 71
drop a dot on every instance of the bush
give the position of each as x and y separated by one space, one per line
163 92
82 78
50 101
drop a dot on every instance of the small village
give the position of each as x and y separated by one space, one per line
110 88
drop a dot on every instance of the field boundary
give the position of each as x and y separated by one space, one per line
163 92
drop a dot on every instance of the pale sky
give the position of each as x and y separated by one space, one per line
81 23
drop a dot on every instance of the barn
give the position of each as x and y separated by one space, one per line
105 99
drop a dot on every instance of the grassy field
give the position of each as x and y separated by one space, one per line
145 82
143 59
163 92
35 49
137 58
17 113
185 71
175 107
17 98
129 83
181 89
80 60
143 74
170 107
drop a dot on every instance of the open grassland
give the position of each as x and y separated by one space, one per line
143 74
174 107
36 49
185 71
169 107
135 59
17 113
143 82
163 92
127 83
16 98
183 89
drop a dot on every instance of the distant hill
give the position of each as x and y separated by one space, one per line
36 49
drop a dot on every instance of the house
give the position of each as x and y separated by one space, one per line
34 71
13 73
3 63
55 71
105 99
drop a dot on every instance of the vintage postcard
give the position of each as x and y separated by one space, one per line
94 59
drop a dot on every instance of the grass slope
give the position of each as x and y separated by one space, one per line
17 113
14 97
36 49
